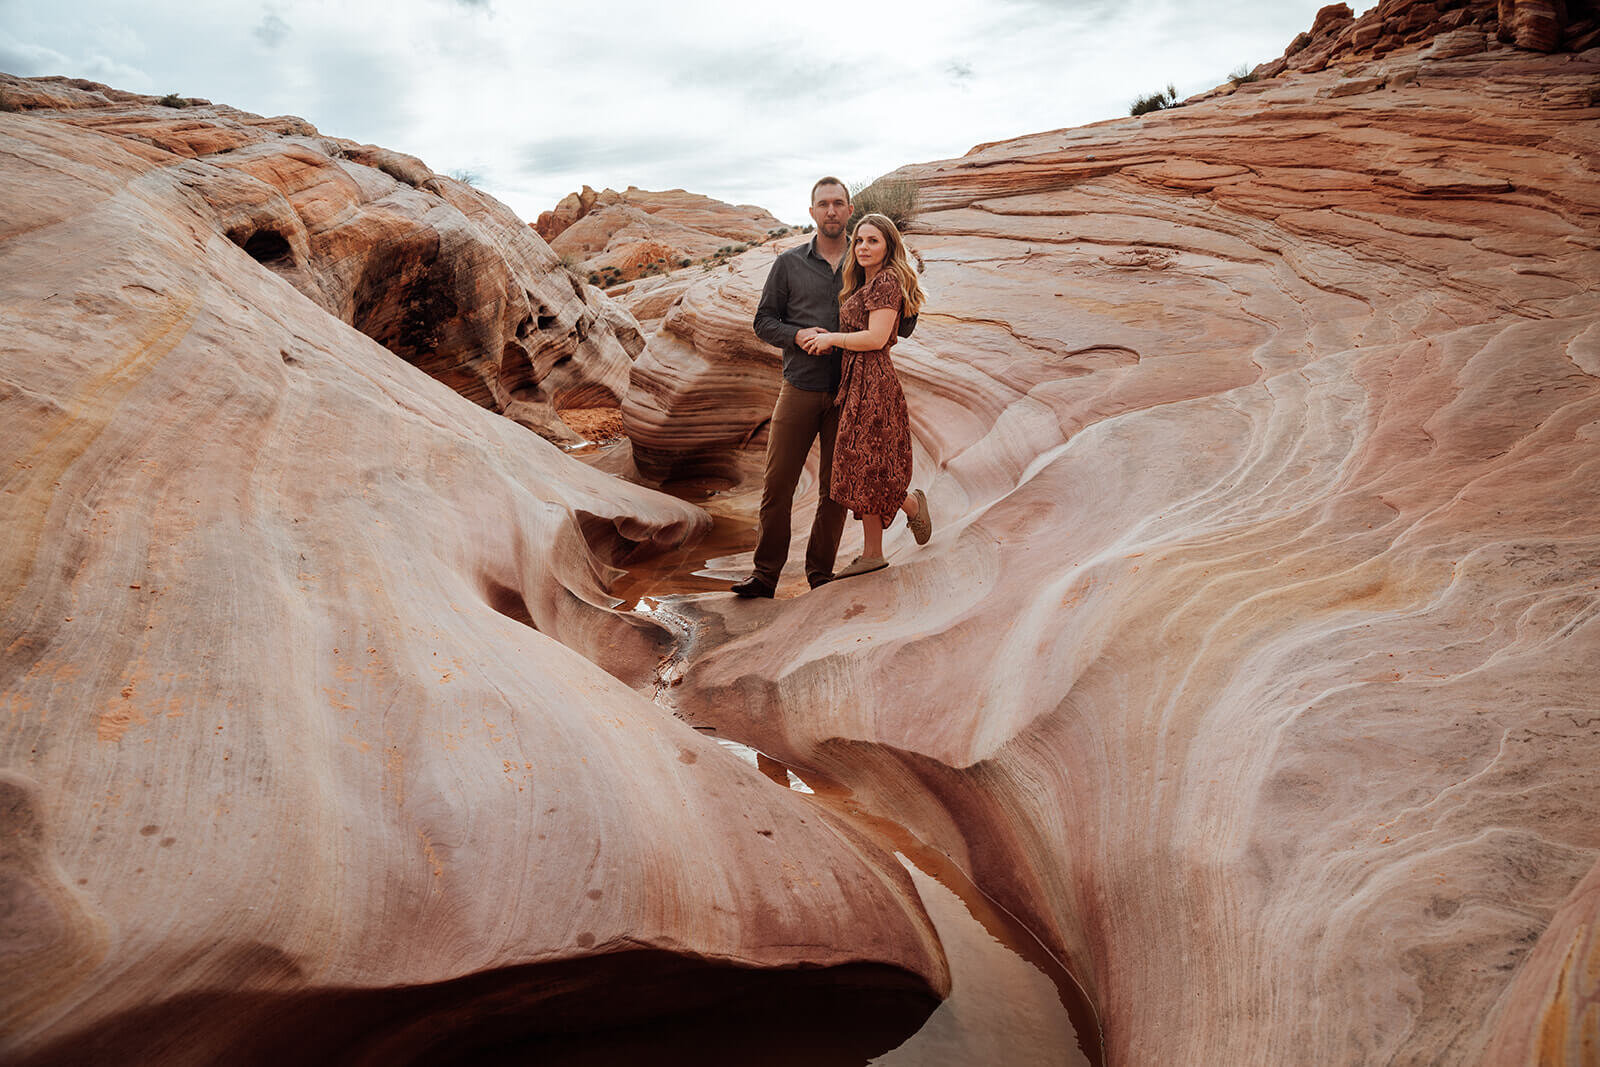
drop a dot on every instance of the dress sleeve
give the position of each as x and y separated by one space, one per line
884 292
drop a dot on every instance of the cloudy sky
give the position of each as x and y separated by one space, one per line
741 100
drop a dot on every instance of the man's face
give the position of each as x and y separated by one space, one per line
830 210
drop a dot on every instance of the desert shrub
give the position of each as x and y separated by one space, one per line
467 177
173 100
574 267
685 261
1166 98
894 197
1244 74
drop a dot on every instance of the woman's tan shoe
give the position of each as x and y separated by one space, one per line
922 522
862 565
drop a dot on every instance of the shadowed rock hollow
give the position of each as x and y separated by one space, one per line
441 275
1254 661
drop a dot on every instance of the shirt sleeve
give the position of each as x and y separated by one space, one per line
884 292
769 322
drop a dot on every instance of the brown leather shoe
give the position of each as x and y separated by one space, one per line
754 586
921 523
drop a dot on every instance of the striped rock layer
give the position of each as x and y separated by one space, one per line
442 275
319 738
1253 662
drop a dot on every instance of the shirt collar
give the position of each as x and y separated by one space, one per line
811 250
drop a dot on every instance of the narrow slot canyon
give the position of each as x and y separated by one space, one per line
1011 999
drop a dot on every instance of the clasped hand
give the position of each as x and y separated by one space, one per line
815 340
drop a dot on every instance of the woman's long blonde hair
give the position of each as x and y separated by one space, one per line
855 276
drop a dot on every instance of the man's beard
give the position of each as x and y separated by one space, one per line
831 229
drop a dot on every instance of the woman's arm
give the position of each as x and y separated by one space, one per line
880 327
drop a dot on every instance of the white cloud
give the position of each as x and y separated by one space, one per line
35 60
744 102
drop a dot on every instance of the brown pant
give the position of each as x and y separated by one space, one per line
800 417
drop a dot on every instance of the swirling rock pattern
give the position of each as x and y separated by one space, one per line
307 751
1253 661
705 386
1553 1004
442 275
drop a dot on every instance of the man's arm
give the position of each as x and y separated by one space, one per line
770 324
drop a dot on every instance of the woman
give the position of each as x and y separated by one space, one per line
872 455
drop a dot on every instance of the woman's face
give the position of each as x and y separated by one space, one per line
870 247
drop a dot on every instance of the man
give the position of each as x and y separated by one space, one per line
800 300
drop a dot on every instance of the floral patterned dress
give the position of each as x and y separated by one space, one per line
872 455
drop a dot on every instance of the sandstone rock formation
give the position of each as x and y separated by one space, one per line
1250 667
442 275
705 386
651 299
1338 36
620 236
1253 663
1548 25
320 741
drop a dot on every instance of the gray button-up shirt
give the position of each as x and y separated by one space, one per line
802 290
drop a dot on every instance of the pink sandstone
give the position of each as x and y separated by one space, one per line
442 275
638 232
318 735
1253 663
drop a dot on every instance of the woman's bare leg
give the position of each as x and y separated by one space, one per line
872 527
872 537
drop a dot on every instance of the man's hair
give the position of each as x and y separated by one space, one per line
830 180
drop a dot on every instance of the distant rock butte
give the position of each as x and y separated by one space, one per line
623 235
319 738
1252 663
